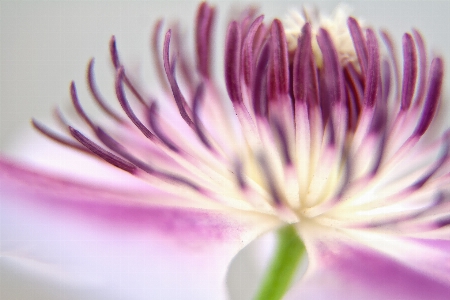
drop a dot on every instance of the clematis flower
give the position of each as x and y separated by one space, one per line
322 135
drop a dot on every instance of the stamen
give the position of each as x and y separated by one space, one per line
203 31
409 71
232 62
126 106
100 152
259 90
196 103
248 63
359 44
432 99
97 96
58 138
119 149
155 46
423 64
373 70
117 64
278 79
270 180
302 58
391 50
170 73
386 81
283 142
78 108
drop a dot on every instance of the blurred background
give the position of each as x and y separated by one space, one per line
46 44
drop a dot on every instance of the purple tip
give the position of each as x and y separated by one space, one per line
359 43
409 71
432 99
373 69
233 62
278 80
102 153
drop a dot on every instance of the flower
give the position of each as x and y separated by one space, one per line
330 141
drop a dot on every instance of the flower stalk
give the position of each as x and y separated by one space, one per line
281 271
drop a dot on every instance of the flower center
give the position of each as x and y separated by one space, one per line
336 25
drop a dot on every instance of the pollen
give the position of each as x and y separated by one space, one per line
335 24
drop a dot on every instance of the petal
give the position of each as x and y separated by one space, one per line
61 238
346 266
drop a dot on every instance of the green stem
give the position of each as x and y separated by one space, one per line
282 269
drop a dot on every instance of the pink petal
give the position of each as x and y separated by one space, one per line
60 238
348 266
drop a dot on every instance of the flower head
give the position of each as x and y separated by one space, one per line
318 130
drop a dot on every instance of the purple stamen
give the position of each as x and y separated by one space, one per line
391 49
155 46
78 108
302 58
373 70
170 73
284 145
196 103
278 79
409 71
102 153
116 62
203 31
270 180
97 96
126 106
233 62
332 75
58 138
423 64
248 62
386 81
121 150
259 90
437 165
359 44
432 99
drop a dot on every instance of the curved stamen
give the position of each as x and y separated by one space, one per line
423 64
170 73
117 64
409 71
155 46
359 44
432 99
126 106
196 103
391 49
97 96
373 70
78 108
278 79
58 138
248 62
259 89
119 149
303 55
203 31
102 153
233 62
